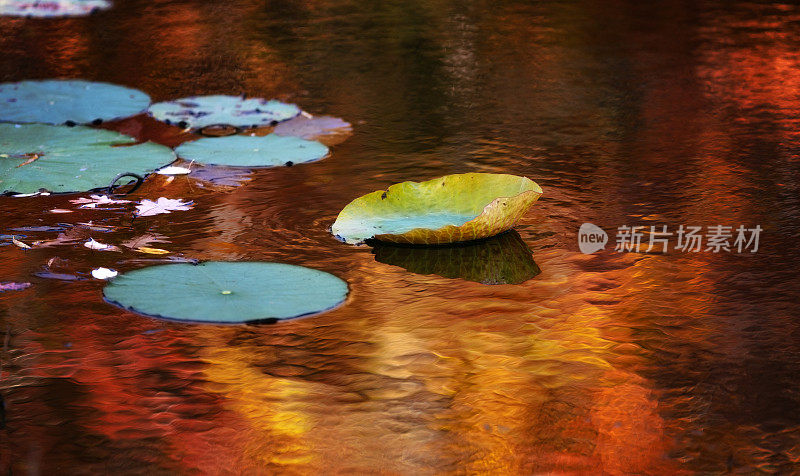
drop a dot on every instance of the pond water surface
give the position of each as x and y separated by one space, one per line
626 113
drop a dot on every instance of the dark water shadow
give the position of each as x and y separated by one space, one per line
502 259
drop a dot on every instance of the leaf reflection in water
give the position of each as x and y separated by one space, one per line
503 259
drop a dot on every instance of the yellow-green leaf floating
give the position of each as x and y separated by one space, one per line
447 209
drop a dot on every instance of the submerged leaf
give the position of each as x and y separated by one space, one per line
144 240
321 128
252 151
55 101
221 176
203 111
51 8
59 276
71 159
225 292
448 209
59 269
503 259
12 286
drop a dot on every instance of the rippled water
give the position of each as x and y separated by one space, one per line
626 113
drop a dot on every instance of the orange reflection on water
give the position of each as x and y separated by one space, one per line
608 363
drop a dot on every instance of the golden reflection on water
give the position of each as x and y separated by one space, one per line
515 393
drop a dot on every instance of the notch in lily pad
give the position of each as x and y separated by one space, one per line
252 151
71 102
449 209
226 292
502 259
219 111
36 157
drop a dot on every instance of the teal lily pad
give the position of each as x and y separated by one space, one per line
55 101
252 151
202 111
51 8
36 157
502 259
226 292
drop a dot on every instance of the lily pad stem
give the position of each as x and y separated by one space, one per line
139 180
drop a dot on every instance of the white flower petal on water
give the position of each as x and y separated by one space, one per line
103 273
96 245
173 170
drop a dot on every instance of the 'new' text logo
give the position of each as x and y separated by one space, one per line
591 238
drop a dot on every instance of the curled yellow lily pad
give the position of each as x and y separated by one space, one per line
449 209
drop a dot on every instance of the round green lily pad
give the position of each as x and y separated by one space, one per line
252 151
202 111
226 292
36 157
449 209
51 8
56 101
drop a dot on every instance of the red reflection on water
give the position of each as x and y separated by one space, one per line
606 363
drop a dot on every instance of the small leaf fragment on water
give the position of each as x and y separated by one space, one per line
162 205
53 8
151 251
12 286
20 244
59 276
103 273
94 200
33 194
95 227
96 245
144 240
173 170
60 210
